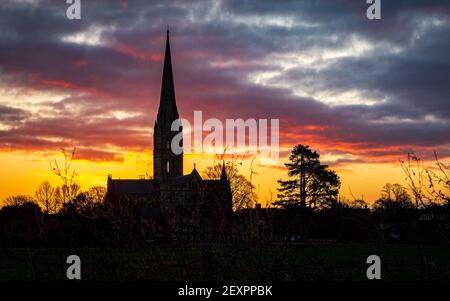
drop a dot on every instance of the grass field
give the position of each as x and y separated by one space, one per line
341 261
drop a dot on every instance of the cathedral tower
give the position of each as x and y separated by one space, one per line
166 164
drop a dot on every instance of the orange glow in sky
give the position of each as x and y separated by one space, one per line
23 172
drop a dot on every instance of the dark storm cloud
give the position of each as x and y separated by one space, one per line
216 48
11 116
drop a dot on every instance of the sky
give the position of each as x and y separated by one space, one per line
363 93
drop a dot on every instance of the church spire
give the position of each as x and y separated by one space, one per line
166 163
167 104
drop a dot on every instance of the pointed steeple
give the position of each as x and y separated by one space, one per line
223 175
195 174
167 104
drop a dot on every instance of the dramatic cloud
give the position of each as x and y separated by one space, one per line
359 90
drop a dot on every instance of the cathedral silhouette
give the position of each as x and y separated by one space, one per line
170 190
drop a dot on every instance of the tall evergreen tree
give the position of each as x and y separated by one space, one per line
311 183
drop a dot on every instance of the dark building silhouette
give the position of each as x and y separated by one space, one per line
170 191
165 163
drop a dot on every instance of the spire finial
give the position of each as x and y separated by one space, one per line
168 30
223 174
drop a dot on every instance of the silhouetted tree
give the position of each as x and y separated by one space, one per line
430 185
69 188
45 197
88 203
394 196
21 220
242 190
358 204
80 204
96 194
311 183
18 200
